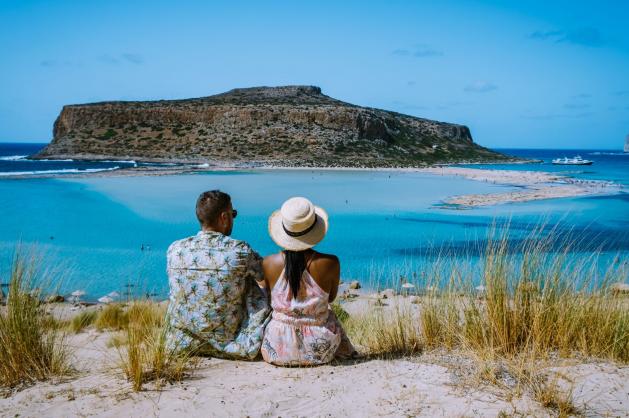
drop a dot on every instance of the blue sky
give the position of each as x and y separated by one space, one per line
523 74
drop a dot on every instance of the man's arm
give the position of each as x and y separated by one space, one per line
254 267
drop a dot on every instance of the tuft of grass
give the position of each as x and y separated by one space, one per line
83 320
31 347
385 333
117 340
146 356
535 300
341 314
550 396
549 393
111 317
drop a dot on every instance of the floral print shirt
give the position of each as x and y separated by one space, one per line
215 306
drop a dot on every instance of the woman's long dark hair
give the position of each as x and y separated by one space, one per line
294 266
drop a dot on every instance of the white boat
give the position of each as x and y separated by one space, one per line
572 161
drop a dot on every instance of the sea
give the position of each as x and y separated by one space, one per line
104 234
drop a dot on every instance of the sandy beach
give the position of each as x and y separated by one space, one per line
535 185
435 383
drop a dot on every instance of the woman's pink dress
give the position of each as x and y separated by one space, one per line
302 331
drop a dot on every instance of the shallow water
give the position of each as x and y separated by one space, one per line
382 224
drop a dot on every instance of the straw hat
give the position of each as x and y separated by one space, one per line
298 224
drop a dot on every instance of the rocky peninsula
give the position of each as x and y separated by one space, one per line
291 126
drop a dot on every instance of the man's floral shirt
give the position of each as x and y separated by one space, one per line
215 306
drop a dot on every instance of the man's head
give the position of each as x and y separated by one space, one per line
215 211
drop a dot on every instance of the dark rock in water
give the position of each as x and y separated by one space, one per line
283 126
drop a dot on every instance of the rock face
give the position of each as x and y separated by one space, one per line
281 126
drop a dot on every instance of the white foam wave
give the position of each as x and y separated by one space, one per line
13 157
118 161
62 161
61 171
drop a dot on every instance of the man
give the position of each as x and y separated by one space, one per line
216 306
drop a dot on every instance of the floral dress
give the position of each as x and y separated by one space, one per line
215 306
302 331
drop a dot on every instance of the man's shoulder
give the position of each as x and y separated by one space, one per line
240 244
218 240
180 243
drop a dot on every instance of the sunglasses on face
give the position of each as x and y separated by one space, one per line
234 213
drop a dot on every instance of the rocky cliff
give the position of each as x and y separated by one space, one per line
282 126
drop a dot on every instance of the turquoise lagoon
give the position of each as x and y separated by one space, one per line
101 234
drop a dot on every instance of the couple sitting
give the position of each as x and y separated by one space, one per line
219 288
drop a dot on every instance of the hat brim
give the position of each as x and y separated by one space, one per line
304 242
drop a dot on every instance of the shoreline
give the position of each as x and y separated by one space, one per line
534 185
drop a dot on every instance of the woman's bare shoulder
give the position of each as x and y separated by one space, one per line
273 260
326 259
325 264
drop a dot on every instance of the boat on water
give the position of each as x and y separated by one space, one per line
572 161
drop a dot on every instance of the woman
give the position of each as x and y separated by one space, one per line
303 282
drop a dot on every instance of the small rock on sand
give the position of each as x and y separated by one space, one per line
387 293
354 284
55 299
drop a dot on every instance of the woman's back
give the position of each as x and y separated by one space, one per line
302 331
324 269
309 307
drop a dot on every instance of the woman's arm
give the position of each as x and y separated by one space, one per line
335 277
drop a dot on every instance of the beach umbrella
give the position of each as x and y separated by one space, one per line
105 299
76 295
480 289
407 288
113 294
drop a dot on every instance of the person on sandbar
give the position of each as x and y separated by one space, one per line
303 282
